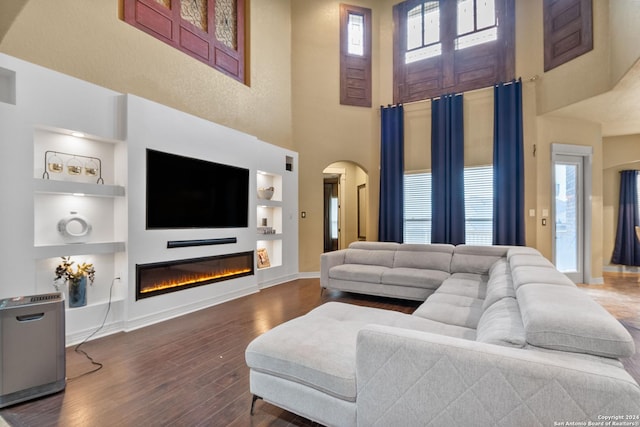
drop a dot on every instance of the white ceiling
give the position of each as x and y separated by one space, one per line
618 111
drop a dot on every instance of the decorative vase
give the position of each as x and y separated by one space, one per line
78 291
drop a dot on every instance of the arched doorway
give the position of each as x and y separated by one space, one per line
345 195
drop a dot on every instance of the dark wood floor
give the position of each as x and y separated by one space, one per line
190 371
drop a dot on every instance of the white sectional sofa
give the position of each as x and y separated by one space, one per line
502 339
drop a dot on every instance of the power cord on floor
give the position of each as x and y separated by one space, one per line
77 349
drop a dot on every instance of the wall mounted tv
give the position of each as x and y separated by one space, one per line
183 192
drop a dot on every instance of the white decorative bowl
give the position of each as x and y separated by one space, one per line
265 193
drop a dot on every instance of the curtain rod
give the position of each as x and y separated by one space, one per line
529 80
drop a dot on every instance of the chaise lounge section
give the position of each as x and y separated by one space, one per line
503 339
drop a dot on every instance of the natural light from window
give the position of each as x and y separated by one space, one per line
334 217
355 29
423 32
478 206
476 23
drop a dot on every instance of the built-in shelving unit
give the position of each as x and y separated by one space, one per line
44 112
58 194
50 251
269 218
49 186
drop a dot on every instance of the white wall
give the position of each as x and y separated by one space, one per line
48 105
155 126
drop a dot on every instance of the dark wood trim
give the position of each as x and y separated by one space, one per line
168 26
568 31
454 70
355 71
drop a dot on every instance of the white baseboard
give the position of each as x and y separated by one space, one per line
612 268
108 329
309 275
93 314
279 280
161 316
596 281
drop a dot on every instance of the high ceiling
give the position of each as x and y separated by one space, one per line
618 111
9 10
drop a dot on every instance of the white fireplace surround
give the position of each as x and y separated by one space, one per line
39 109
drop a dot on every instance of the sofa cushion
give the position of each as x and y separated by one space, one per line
464 286
565 318
526 250
501 324
374 246
476 259
471 276
358 272
416 277
528 274
499 267
428 257
318 349
382 258
519 260
500 285
451 309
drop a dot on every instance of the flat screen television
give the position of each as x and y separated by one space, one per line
183 192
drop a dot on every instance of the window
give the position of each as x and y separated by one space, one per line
477 23
417 208
450 46
212 31
478 206
423 32
355 56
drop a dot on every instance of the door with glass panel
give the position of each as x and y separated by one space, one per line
568 216
331 215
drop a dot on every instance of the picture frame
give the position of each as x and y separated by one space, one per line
263 258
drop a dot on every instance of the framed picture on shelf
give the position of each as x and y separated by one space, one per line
263 258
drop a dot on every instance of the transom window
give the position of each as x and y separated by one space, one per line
423 32
355 56
477 23
447 46
355 29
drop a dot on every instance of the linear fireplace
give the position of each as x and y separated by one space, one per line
170 276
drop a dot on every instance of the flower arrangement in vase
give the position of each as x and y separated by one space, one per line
76 279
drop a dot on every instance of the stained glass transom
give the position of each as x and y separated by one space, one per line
165 3
226 23
195 11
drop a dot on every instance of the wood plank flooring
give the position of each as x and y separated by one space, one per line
190 371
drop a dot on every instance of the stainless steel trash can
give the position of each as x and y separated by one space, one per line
32 347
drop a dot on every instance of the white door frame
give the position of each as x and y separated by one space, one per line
586 152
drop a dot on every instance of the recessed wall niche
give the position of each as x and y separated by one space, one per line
7 86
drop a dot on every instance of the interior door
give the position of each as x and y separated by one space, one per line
568 216
331 215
